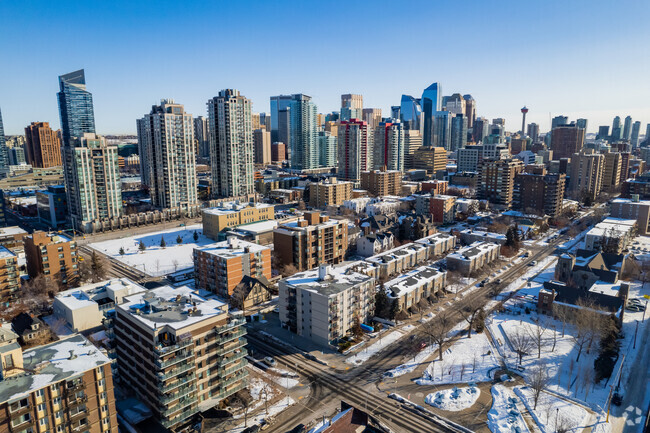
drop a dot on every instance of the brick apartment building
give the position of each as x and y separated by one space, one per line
382 183
53 255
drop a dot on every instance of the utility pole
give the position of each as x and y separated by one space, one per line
636 330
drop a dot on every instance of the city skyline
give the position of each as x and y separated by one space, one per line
551 79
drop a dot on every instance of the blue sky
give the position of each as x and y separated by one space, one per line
581 58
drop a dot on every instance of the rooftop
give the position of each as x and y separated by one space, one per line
435 238
227 208
5 253
259 227
614 226
231 248
631 201
487 235
176 307
473 250
410 281
11 231
96 293
51 363
395 253
328 280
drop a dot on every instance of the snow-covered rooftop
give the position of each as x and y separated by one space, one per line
412 280
395 253
336 279
95 293
231 248
5 253
227 208
473 250
617 226
176 307
51 363
435 238
11 231
259 227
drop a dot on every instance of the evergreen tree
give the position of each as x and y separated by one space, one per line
97 270
394 309
382 304
142 246
195 236
163 244
179 240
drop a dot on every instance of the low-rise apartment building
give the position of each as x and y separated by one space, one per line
65 386
330 192
311 241
420 283
53 255
469 236
220 267
398 259
180 352
612 235
438 244
442 208
473 257
382 183
323 304
231 214
9 275
86 307
633 209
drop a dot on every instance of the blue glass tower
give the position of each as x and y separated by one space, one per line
75 106
410 112
431 102
3 145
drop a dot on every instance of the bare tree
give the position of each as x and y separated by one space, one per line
563 314
288 270
453 281
521 343
536 333
588 325
469 309
437 329
564 424
539 380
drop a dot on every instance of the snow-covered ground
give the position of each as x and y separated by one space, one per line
504 416
468 360
454 399
156 260
551 409
274 409
379 345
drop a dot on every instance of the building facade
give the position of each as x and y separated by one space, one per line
567 140
541 191
473 257
43 145
53 255
327 149
497 181
262 144
330 192
354 151
587 170
389 146
9 275
167 155
75 107
303 128
232 214
382 183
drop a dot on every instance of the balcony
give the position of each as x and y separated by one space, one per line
181 404
175 372
224 371
74 400
234 379
75 386
233 324
20 410
235 357
233 346
179 418
164 350
233 335
181 392
23 425
80 428
174 360
78 415
228 392
186 379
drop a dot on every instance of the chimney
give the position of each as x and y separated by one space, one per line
323 272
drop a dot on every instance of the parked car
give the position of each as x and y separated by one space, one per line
533 263
269 361
422 345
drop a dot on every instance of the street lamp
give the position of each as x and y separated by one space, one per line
557 412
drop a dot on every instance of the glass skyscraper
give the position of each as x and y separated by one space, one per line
3 146
75 106
303 139
410 112
431 103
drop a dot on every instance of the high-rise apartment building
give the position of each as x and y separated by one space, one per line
533 131
65 386
311 241
627 128
303 139
567 140
612 170
43 145
470 110
382 183
469 158
330 192
280 119
480 130
559 121
9 275
431 103
389 145
16 156
603 133
180 352
372 116
587 170
54 256
617 131
202 137
582 123
220 267
539 191
278 152
92 180
231 144
458 138
430 158
497 180
327 149
351 107
3 146
441 129
262 145
167 155
636 130
412 142
354 151
75 106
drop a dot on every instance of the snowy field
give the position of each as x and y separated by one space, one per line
156 260
504 416
551 409
468 360
454 399
380 344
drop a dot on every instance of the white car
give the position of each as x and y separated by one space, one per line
269 361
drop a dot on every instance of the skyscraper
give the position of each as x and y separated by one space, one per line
372 116
458 137
43 145
603 133
617 132
303 140
441 130
470 110
533 131
354 153
431 103
582 123
280 118
410 112
167 155
3 147
202 137
389 146
636 130
351 106
480 129
646 138
455 104
327 149
231 144
566 140
262 145
92 180
75 106
627 128
559 121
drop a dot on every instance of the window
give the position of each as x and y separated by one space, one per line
42 421
105 408
8 361
41 407
40 392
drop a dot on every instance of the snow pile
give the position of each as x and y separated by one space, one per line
550 408
504 416
156 260
375 348
454 399
468 360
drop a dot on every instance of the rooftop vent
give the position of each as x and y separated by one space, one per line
72 355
